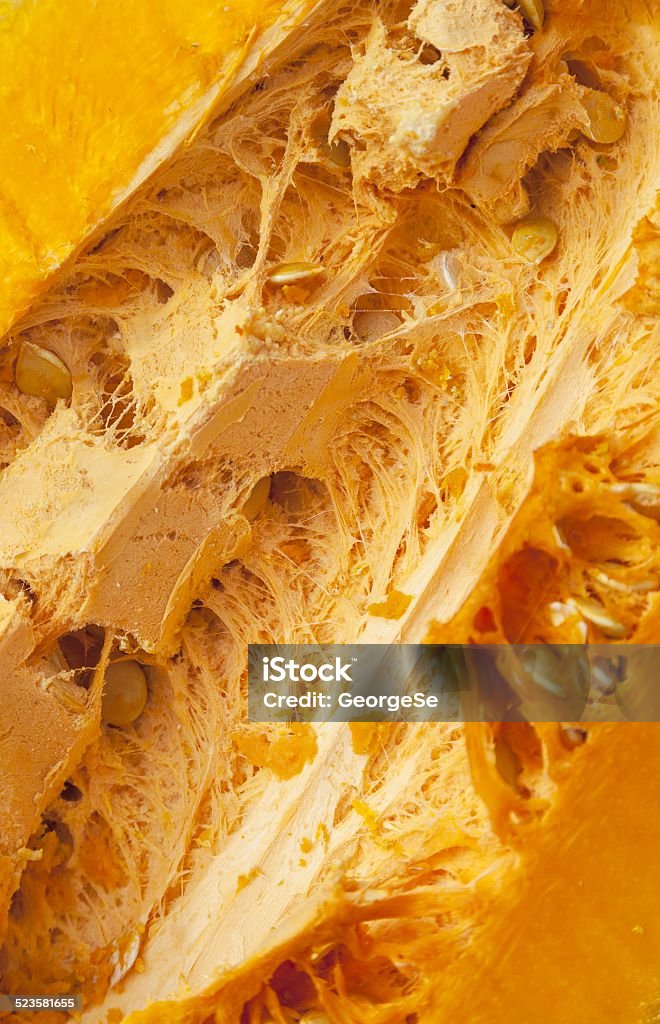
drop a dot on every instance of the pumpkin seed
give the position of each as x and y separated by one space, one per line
533 12
598 616
42 374
292 273
606 119
534 238
124 693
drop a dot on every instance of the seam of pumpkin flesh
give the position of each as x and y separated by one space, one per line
264 309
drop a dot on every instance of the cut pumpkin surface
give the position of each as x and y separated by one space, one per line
306 378
94 97
549 924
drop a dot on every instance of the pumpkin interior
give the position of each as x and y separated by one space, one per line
320 291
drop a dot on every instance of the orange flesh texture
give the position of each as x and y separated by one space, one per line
575 936
88 92
576 933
